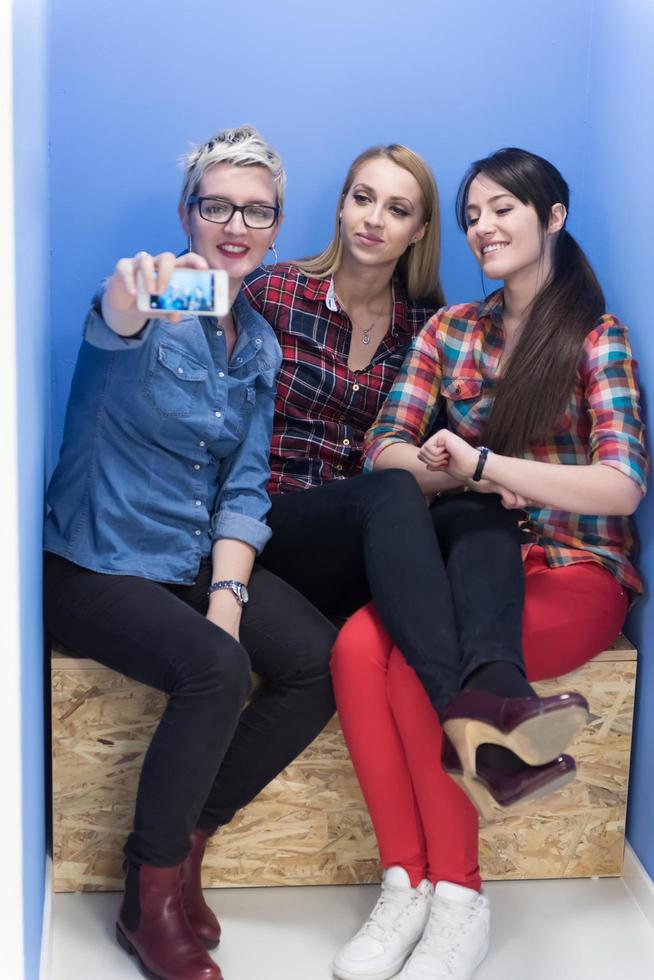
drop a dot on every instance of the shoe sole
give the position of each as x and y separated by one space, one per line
537 741
385 974
483 953
479 959
132 951
490 809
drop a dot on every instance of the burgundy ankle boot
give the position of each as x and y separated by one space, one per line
204 923
152 925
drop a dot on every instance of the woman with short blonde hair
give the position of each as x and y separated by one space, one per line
157 511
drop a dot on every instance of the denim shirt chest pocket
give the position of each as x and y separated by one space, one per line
247 374
173 380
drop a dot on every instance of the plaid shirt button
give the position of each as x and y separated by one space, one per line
602 424
315 386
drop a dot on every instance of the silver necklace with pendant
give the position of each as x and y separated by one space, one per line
365 331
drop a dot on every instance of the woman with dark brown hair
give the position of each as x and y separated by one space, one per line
542 376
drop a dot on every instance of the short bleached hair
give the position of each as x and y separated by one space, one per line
243 146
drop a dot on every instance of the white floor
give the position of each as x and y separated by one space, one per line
541 930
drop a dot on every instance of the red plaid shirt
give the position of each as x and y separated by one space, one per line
323 409
454 364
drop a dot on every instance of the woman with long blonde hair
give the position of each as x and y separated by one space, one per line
345 319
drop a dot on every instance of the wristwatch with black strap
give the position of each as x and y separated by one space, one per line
481 462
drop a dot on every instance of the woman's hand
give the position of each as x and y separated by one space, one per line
594 488
447 451
510 499
119 300
225 612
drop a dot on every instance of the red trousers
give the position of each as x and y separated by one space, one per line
422 820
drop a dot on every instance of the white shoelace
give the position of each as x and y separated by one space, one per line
445 929
387 915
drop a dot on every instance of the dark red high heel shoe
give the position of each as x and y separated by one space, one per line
492 791
535 729
203 922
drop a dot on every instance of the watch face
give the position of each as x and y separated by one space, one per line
244 594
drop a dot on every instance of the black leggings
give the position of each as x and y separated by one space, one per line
207 757
373 536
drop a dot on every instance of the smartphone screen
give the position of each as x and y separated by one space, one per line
188 289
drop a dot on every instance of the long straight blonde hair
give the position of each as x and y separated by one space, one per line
418 267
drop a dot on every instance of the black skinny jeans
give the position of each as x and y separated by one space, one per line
451 600
207 757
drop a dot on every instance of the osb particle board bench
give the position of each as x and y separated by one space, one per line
310 826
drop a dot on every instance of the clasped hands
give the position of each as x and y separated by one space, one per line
449 453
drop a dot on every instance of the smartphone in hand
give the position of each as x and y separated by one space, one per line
201 291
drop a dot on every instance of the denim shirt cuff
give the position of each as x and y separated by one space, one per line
230 524
98 333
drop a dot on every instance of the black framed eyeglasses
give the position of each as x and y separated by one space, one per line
219 211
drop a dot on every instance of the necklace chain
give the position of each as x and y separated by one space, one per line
365 331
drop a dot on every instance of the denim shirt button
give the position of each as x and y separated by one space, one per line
168 383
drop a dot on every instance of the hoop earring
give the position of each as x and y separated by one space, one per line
272 249
189 243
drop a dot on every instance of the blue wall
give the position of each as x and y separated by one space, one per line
453 80
33 343
617 225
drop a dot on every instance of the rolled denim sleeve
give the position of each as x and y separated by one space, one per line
243 502
98 333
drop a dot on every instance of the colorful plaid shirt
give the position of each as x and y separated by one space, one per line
323 409
454 363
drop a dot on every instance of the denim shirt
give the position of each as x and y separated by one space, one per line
165 446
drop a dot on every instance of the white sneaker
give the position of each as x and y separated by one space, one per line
392 929
455 940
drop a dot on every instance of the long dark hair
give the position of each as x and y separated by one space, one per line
533 393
